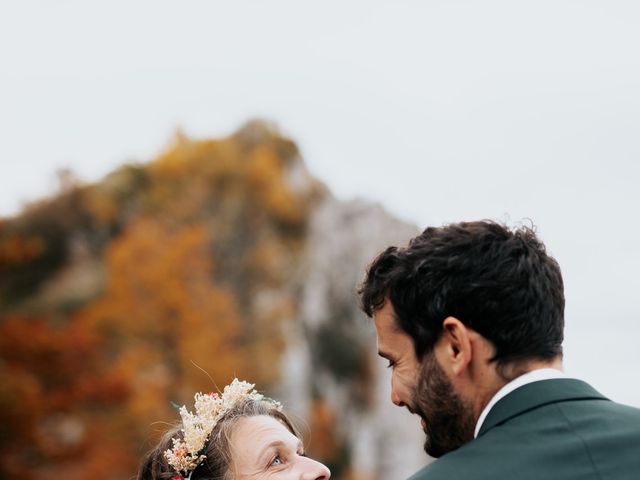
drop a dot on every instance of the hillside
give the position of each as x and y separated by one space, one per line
220 256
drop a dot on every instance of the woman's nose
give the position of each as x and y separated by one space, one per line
313 470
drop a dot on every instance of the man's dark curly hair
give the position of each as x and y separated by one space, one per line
498 281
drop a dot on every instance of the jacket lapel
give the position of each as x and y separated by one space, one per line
537 394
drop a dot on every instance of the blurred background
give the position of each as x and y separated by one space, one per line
199 185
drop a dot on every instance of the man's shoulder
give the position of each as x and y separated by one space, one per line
531 441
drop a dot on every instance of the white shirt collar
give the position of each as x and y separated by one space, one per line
529 377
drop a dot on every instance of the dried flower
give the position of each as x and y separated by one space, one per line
187 453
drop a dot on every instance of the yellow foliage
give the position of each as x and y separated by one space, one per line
102 207
266 178
199 247
160 292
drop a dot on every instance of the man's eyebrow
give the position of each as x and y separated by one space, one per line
384 354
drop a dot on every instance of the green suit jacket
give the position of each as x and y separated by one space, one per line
552 429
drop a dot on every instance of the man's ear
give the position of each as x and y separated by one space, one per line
456 349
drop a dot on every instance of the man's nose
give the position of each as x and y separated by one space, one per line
314 470
395 399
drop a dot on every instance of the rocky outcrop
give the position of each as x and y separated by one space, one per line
334 356
218 258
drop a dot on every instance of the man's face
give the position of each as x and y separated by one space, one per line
397 347
423 387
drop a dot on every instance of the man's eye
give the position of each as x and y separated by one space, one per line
391 364
276 461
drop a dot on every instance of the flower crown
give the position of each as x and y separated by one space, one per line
188 452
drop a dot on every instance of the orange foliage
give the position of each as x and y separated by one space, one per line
198 248
52 380
164 313
266 178
327 441
102 207
323 424
16 250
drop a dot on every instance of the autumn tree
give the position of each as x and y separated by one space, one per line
191 259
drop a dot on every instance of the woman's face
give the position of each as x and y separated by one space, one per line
263 448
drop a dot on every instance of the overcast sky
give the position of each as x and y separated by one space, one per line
439 110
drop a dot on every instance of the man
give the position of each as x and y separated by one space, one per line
470 317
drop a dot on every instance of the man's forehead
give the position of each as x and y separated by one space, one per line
385 318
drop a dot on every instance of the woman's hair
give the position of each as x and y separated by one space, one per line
217 464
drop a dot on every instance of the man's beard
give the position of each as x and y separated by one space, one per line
448 419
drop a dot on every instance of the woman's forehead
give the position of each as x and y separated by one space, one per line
262 430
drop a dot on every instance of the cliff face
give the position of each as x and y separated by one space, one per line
220 255
341 362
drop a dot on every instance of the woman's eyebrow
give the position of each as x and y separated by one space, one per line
276 444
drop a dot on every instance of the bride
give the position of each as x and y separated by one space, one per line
238 435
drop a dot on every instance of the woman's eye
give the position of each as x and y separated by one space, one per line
276 461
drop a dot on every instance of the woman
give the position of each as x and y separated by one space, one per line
238 435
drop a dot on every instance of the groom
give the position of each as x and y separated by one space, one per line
470 317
